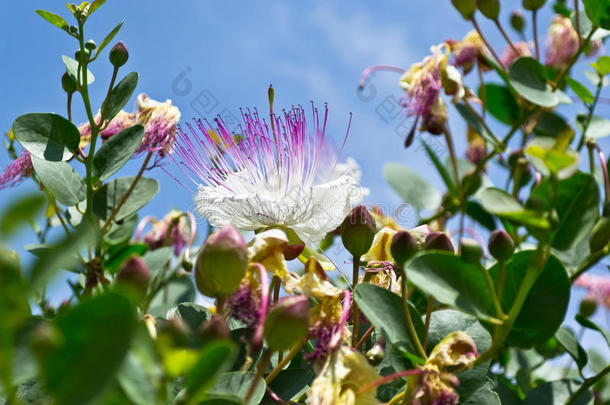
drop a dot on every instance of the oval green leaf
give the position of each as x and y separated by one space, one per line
598 12
72 69
501 103
528 77
47 136
107 198
503 205
119 96
61 180
411 187
116 151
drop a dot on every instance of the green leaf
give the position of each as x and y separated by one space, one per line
180 289
119 96
568 340
289 383
444 322
503 205
440 168
95 337
117 256
587 323
580 90
384 310
501 103
576 204
108 197
602 65
157 259
529 78
136 381
237 384
116 151
598 12
47 136
121 233
553 125
475 211
546 304
20 213
61 180
451 281
484 395
411 187
108 38
557 393
551 156
214 359
94 6
72 69
599 127
54 19
193 315
475 122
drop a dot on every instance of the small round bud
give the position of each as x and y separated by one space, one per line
467 8
532 5
187 265
68 83
489 8
90 45
358 231
73 29
471 251
287 323
135 275
438 241
600 235
375 355
517 21
549 348
118 54
222 263
78 55
403 247
214 329
588 307
501 245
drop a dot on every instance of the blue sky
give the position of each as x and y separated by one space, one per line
210 57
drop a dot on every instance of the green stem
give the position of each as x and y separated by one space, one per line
535 33
588 382
591 149
105 105
501 278
506 37
492 291
495 55
262 365
69 106
590 261
591 108
355 312
408 319
284 362
429 307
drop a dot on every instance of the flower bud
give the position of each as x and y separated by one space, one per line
501 245
358 231
222 263
403 247
68 83
90 45
600 235
134 274
466 7
118 55
532 5
549 348
489 8
438 241
287 323
517 21
588 306
471 251
214 329
375 355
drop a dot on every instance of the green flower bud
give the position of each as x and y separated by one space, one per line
222 263
135 275
438 241
358 231
214 329
489 8
471 251
517 21
532 5
118 54
501 245
90 45
287 323
375 355
68 83
548 348
403 247
588 307
466 7
600 235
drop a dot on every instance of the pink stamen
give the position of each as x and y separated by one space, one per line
372 69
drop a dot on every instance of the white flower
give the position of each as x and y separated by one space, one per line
268 175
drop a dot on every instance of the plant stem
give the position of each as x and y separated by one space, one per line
577 18
69 107
506 37
262 365
590 261
501 278
491 50
591 148
409 321
588 382
365 337
535 33
355 312
492 291
105 105
284 362
483 91
429 307
589 117
387 379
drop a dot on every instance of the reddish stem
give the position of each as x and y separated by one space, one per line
387 379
